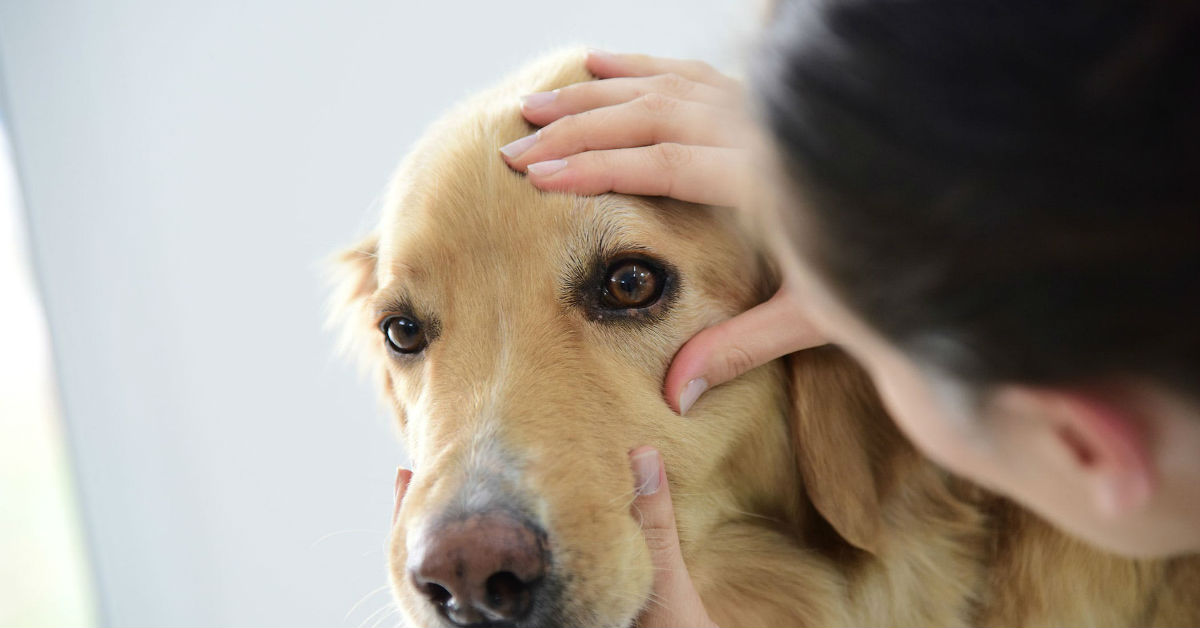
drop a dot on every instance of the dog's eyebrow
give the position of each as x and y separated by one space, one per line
608 237
388 301
393 294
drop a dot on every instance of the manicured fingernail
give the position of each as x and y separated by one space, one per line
402 478
538 99
646 472
512 149
543 168
597 53
691 392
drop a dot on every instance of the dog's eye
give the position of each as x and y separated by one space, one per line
404 335
632 284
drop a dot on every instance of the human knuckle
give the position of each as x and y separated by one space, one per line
657 104
738 360
551 131
565 127
674 83
659 539
672 156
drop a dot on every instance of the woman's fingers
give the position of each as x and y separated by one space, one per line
543 108
678 602
698 174
656 127
722 352
609 65
649 119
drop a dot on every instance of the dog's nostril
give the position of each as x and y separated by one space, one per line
437 593
482 567
507 594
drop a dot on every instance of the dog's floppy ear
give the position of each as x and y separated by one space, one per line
352 273
844 441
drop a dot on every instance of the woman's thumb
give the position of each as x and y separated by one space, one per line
722 352
677 603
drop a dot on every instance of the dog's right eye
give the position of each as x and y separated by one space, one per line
403 334
632 284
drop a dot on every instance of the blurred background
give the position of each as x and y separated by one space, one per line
179 444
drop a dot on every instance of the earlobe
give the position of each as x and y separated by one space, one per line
1108 441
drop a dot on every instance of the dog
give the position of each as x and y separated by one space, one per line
520 338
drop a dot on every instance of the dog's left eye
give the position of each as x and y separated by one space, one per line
632 284
403 334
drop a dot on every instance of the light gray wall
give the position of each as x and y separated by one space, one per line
186 166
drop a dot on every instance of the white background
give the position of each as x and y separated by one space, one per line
186 166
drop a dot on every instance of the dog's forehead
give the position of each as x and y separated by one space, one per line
507 234
457 212
455 201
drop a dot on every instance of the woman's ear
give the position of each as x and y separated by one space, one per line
844 441
1101 436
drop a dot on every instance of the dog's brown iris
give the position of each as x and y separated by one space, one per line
632 284
404 334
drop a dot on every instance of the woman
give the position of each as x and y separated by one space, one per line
994 206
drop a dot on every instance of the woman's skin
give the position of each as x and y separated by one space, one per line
1115 463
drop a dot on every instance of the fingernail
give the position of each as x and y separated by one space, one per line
646 472
538 99
402 477
597 53
543 168
691 392
512 149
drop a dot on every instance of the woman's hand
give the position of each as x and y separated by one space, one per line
663 127
676 602
656 127
724 351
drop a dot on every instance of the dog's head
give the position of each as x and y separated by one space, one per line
521 338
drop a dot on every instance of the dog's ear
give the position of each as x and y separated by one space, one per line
353 278
844 442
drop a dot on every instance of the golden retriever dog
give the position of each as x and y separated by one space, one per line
521 338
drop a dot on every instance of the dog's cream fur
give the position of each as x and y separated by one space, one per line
797 500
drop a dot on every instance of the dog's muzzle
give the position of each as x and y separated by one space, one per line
482 569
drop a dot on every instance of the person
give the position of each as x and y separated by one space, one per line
993 205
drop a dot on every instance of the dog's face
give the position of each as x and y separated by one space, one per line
522 338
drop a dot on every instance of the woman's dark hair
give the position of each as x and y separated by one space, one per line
1008 190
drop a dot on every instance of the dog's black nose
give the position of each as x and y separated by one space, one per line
480 569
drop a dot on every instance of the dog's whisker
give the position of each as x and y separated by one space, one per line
364 598
627 497
654 599
394 610
346 531
373 617
757 516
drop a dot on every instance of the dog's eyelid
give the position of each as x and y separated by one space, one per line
613 251
385 306
383 316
